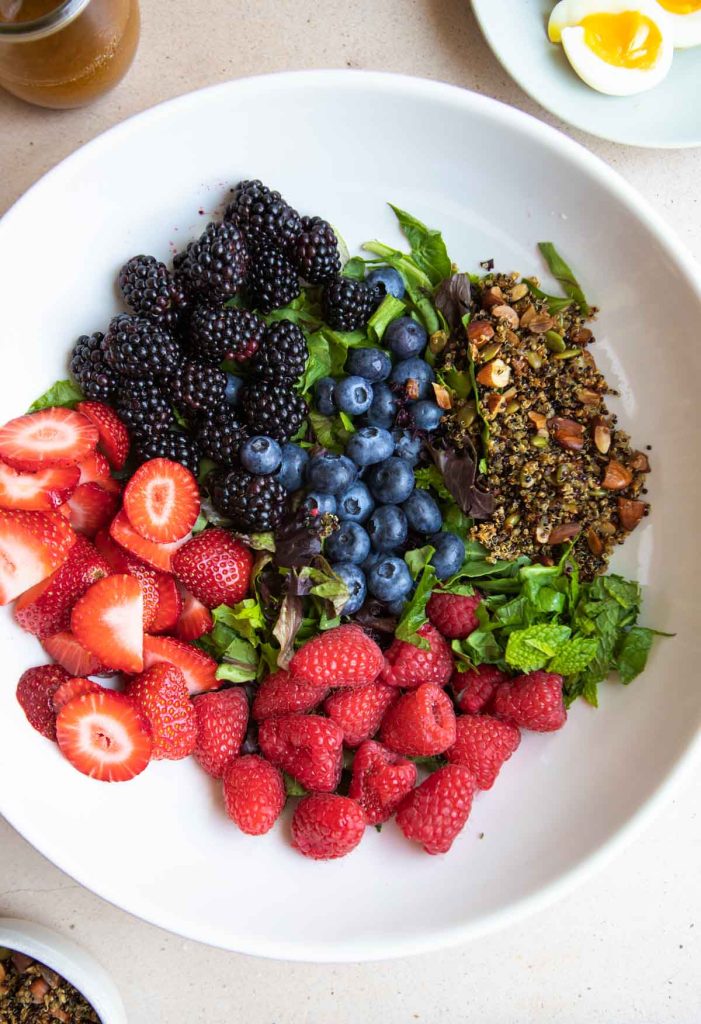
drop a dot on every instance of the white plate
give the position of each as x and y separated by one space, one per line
667 117
496 182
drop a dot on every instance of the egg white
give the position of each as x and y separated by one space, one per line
685 28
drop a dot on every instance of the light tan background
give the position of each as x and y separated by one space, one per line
627 946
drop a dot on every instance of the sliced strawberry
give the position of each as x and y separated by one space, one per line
32 546
37 492
105 736
169 605
92 508
46 608
77 660
123 561
113 435
108 620
158 556
96 470
162 501
195 618
64 510
35 693
51 437
73 688
197 667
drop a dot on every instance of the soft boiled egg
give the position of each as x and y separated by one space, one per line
684 20
618 47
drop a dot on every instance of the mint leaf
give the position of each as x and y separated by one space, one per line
533 647
414 615
573 656
62 393
388 310
564 276
632 653
428 249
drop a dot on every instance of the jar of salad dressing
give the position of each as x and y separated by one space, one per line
66 53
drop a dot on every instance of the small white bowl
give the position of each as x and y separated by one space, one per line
70 961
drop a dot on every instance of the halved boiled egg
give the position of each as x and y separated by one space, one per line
618 47
684 20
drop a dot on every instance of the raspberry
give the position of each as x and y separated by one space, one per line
307 747
163 698
532 701
421 723
473 690
360 710
282 694
409 666
435 812
453 615
326 826
381 780
35 691
483 744
343 656
222 719
254 794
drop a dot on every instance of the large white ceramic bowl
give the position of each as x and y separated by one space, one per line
496 182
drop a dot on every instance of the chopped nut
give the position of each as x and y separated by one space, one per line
2 974
588 397
512 338
541 323
38 988
529 314
479 332
630 512
602 435
495 374
568 433
607 528
495 403
542 534
506 313
412 388
594 542
442 396
492 297
582 336
538 419
519 291
21 961
60 1015
564 531
640 462
617 476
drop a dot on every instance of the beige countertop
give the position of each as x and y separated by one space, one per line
626 946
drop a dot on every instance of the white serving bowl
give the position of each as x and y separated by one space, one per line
69 960
496 182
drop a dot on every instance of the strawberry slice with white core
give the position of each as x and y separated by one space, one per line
105 736
197 667
37 492
73 688
92 508
70 654
114 436
162 500
158 556
108 620
32 546
51 437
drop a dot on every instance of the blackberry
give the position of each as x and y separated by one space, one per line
314 251
220 435
274 410
218 333
149 290
347 304
253 503
272 280
197 386
144 408
136 348
263 215
283 352
169 445
89 367
215 265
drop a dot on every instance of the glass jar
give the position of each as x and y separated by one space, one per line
66 54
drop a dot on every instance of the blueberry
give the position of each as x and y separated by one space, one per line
353 395
396 607
387 281
422 512
391 481
260 455
354 578
234 385
373 558
324 504
370 363
449 555
369 445
383 410
417 370
332 474
323 392
387 527
292 467
406 446
349 543
390 579
405 337
355 504
426 415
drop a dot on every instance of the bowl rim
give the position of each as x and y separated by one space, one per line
368 949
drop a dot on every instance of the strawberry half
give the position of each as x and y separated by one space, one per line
51 437
158 556
32 546
77 660
169 605
96 470
92 508
123 561
35 693
162 501
37 492
105 736
195 618
197 667
73 688
108 620
113 435
162 697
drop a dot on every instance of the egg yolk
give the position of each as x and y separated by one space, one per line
681 6
627 40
